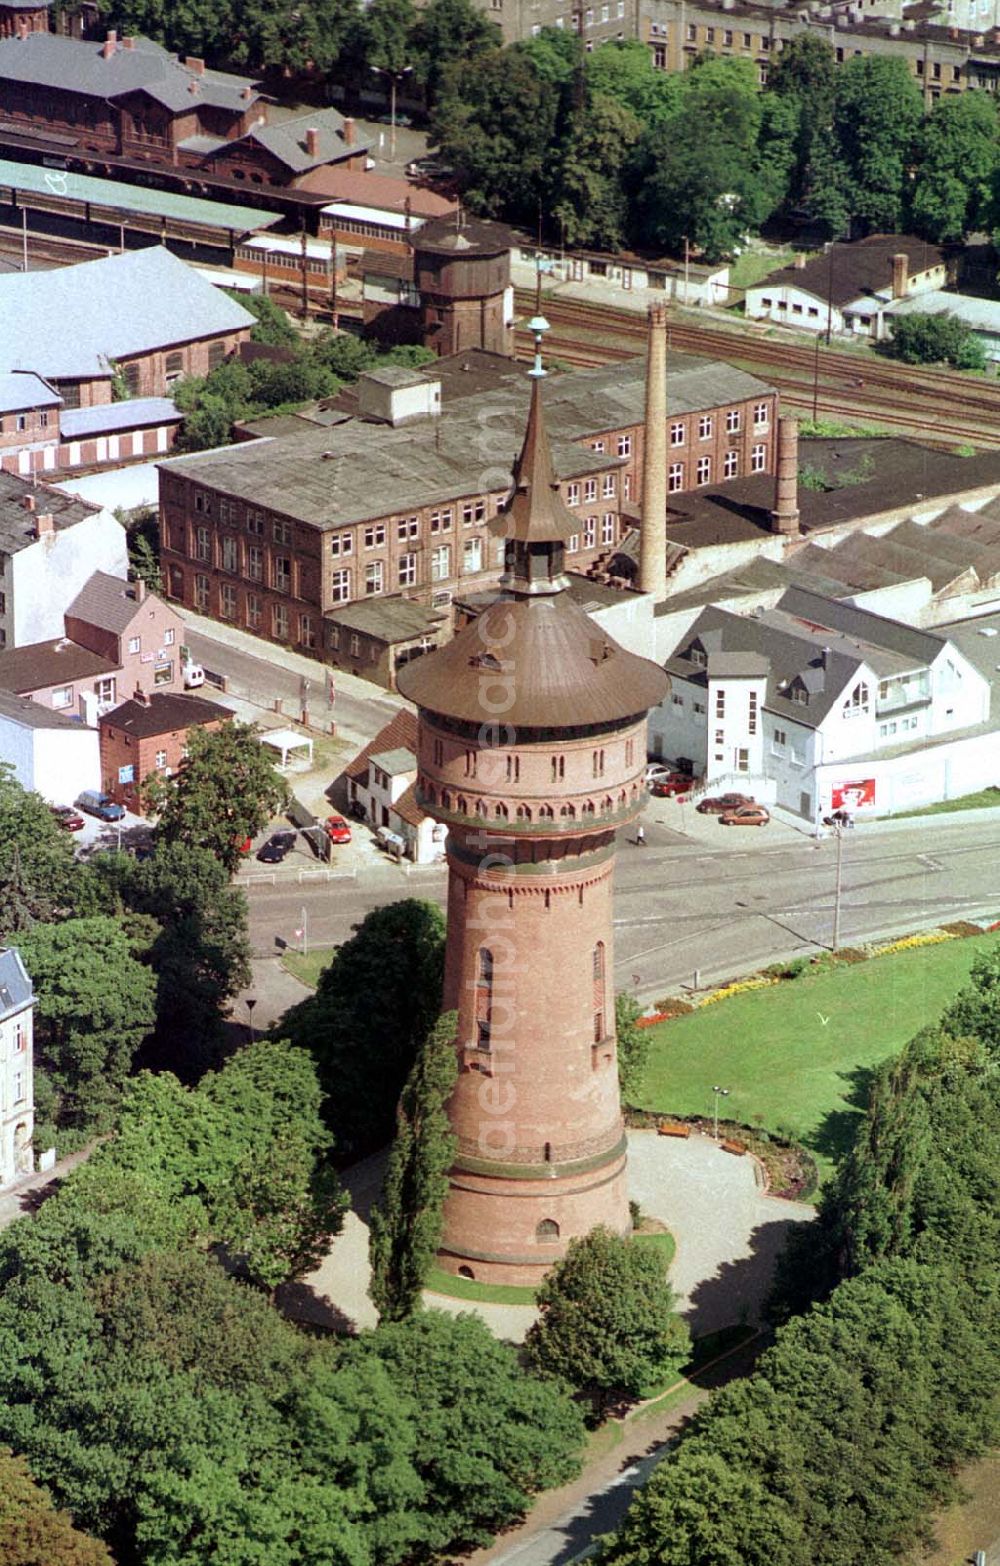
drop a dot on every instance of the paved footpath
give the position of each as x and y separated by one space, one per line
29 1194
565 1524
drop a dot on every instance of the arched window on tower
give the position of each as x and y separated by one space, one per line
481 807
500 811
607 803
484 998
548 1229
463 805
589 807
568 812
545 813
445 799
599 996
524 812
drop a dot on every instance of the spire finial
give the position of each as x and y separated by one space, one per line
535 519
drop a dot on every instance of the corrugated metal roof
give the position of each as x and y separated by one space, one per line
75 321
133 198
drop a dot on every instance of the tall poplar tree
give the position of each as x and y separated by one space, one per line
406 1224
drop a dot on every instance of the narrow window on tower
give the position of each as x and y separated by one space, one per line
484 998
470 763
598 763
438 753
513 768
558 768
599 1002
630 752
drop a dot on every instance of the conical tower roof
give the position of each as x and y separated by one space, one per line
535 512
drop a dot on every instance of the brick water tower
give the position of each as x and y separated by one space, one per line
532 750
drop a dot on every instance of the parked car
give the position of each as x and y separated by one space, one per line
670 784
278 846
337 830
194 676
746 815
69 819
97 804
717 804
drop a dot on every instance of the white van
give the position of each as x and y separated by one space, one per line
194 675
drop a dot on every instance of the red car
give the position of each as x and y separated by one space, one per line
673 783
337 830
746 815
67 818
719 804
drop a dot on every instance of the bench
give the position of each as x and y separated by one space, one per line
673 1128
732 1146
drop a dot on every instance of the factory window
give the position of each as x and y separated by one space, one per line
407 527
608 528
608 486
572 494
704 470
441 521
624 445
230 556
590 489
255 563
573 543
281 574
253 611
472 555
342 544
758 457
340 587
677 434
279 621
675 476
731 464
202 544
589 532
201 593
407 574
441 563
375 535
733 421
227 601
307 632
705 427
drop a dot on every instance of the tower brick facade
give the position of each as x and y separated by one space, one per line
532 749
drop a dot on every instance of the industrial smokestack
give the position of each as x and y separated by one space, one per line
653 537
785 516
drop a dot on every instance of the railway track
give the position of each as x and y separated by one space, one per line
43 248
943 407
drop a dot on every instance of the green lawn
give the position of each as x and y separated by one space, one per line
798 1055
985 799
307 969
754 265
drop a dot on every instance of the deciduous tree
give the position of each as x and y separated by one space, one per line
957 163
374 1006
37 870
32 1531
225 790
608 1318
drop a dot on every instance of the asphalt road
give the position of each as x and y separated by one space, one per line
683 905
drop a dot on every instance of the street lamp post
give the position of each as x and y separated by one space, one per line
839 829
394 78
250 1002
720 1092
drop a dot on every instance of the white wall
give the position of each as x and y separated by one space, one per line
677 729
939 771
802 309
67 761
631 623
47 575
16 1097
17 749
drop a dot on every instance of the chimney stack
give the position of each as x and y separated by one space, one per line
194 64
785 516
109 45
348 131
128 43
44 524
28 502
900 275
312 142
246 93
139 590
653 537
140 696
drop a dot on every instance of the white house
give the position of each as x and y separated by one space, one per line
816 703
17 1106
850 287
50 546
57 756
381 780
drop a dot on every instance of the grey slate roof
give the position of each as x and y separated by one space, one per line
133 414
15 985
863 267
32 715
286 140
808 642
76 65
19 527
107 601
20 389
73 321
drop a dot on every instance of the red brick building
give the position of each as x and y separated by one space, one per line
532 762
282 535
129 106
148 735
20 17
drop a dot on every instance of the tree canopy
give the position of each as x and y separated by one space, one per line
921 338
225 790
608 1319
373 1008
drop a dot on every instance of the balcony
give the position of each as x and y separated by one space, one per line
900 695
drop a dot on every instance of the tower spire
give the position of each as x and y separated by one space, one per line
535 519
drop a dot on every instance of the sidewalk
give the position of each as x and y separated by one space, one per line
24 1196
